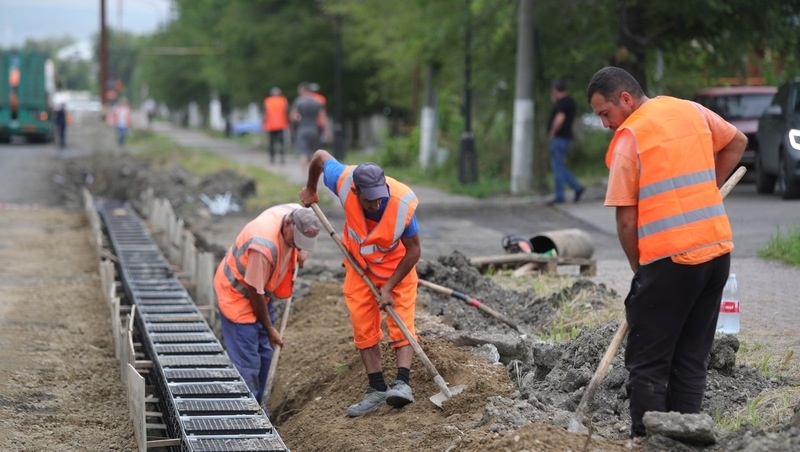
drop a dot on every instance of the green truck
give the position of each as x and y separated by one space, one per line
27 84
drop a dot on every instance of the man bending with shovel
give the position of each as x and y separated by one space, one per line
381 233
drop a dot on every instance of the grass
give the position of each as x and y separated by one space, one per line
783 247
163 153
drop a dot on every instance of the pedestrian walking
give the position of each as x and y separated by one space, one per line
61 121
666 161
306 115
276 122
559 135
255 271
381 232
121 120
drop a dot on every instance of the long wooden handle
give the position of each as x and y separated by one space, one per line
472 302
396 318
611 351
276 353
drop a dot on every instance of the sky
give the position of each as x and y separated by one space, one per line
40 19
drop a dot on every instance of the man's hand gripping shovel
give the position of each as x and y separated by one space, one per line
446 392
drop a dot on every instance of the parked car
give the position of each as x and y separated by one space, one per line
741 106
246 127
779 138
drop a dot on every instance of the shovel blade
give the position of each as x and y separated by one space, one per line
440 397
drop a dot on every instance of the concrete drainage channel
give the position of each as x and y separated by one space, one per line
197 393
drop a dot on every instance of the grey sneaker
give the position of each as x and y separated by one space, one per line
373 399
399 394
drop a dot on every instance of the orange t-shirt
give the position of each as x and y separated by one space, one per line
623 180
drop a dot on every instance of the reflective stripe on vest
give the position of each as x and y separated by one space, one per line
680 208
262 235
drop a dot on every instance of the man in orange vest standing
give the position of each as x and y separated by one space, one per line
256 270
666 163
381 232
276 121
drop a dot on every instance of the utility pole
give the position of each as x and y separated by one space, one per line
523 132
468 166
338 122
103 55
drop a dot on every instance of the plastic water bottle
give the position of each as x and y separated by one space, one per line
729 318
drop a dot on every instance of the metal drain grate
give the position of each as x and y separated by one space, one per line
235 444
226 425
197 375
188 349
170 318
168 309
184 327
210 390
212 407
182 338
195 361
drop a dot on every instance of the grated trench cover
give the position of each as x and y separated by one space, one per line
184 327
182 338
168 309
195 361
197 375
226 425
234 444
219 389
188 349
170 318
211 407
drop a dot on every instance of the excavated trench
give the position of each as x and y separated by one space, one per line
518 386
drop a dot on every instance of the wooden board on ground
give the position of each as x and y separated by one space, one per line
544 264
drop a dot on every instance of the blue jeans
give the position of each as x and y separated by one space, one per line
558 156
250 351
122 134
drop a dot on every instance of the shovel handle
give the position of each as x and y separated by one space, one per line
611 351
390 310
276 353
472 302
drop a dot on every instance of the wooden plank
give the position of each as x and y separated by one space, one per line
136 401
531 261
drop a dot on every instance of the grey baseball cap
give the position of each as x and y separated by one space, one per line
306 228
369 178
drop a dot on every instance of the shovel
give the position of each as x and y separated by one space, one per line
276 353
472 302
446 392
577 420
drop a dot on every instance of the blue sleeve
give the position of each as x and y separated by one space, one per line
331 172
412 229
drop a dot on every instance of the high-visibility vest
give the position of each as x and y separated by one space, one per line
276 113
377 250
262 234
680 206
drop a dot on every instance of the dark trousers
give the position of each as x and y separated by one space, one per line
276 143
672 312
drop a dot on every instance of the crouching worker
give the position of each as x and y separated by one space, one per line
381 232
256 270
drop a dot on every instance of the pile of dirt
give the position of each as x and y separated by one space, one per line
521 391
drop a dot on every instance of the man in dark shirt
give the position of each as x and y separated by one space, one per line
559 134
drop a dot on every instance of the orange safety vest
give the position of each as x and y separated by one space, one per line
680 206
376 246
263 234
275 113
